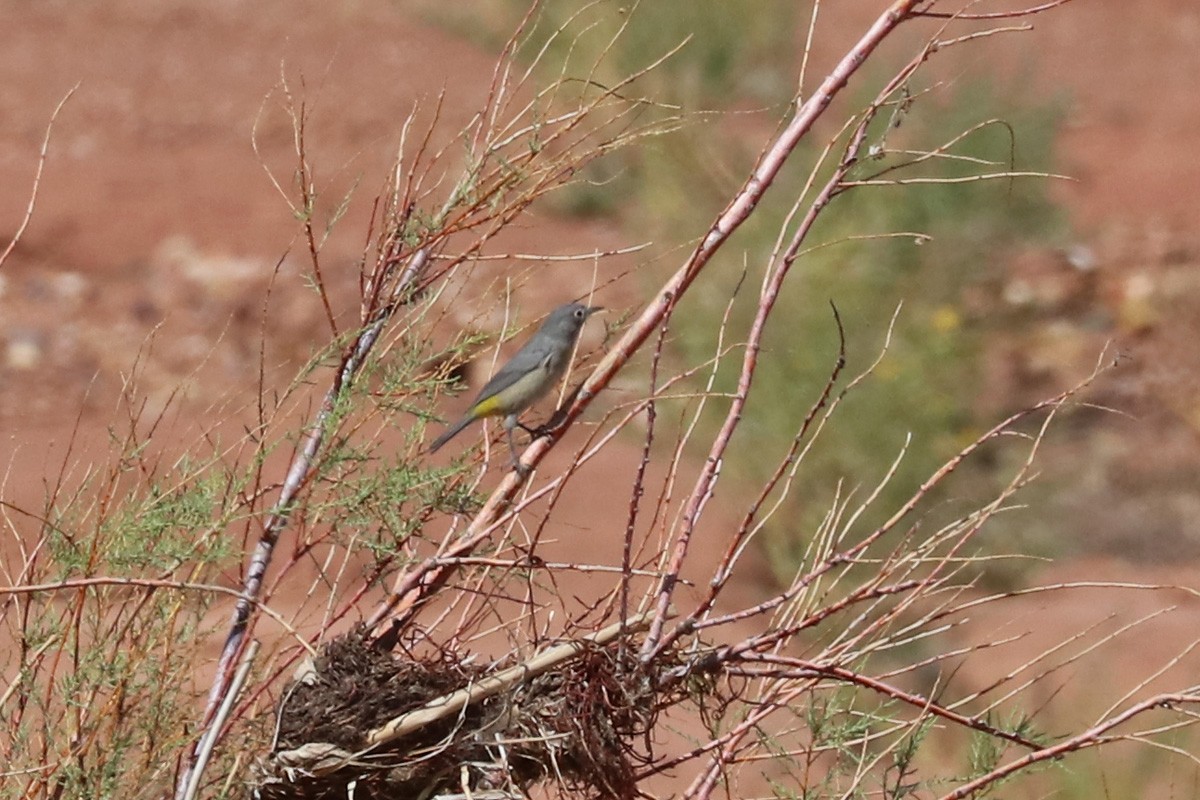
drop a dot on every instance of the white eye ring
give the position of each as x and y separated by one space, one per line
579 313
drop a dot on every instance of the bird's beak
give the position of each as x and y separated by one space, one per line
593 309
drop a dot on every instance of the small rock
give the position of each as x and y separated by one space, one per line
69 286
1081 257
1137 311
24 350
1018 292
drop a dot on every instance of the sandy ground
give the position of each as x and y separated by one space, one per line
157 229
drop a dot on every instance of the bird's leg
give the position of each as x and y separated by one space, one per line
549 428
510 425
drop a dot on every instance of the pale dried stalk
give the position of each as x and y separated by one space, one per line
209 740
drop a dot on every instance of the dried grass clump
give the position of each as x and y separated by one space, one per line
575 722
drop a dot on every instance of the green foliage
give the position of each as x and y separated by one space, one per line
927 384
900 779
848 729
729 48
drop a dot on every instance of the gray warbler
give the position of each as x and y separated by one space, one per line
527 376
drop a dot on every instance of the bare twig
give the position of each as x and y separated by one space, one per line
1092 737
37 178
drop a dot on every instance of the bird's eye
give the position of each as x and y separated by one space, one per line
579 313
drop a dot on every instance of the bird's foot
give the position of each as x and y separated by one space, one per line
538 432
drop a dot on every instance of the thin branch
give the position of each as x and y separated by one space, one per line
37 177
1092 737
1024 12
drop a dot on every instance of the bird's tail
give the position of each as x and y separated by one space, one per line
451 432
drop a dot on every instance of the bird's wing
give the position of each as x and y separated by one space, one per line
529 357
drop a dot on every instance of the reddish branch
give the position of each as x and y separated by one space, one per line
1093 737
655 642
807 670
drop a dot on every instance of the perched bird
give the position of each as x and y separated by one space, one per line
527 376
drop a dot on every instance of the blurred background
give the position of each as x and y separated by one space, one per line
158 232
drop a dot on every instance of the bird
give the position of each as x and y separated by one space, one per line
527 376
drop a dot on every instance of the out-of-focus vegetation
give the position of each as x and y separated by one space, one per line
929 382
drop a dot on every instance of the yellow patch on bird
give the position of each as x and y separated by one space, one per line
516 397
488 407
